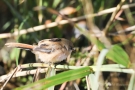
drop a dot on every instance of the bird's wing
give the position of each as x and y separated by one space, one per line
48 45
45 50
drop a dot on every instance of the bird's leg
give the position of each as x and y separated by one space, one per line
48 72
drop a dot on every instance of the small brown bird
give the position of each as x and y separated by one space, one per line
48 50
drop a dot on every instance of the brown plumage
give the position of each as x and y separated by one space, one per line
48 50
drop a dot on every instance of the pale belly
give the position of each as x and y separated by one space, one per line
54 57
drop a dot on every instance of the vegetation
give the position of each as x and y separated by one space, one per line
102 32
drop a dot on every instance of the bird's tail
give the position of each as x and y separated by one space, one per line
20 45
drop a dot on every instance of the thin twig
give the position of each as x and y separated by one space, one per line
118 8
129 29
22 73
10 76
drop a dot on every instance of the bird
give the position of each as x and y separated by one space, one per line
52 50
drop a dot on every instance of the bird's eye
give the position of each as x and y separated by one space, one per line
70 47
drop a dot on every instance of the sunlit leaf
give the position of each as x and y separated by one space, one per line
118 55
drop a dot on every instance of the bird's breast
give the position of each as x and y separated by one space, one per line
53 57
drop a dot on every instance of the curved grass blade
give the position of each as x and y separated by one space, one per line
58 79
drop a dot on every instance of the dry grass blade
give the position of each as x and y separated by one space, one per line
113 16
22 73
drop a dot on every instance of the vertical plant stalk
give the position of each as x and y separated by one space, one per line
88 83
40 13
88 9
